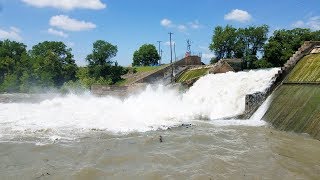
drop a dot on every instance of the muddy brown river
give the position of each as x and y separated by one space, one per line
202 151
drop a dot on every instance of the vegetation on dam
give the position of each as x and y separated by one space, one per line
296 107
192 74
307 70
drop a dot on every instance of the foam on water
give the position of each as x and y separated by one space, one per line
211 97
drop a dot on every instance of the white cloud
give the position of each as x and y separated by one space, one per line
13 33
195 24
166 22
69 24
298 24
238 15
67 4
57 33
182 28
207 55
312 23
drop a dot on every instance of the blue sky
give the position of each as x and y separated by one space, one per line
131 23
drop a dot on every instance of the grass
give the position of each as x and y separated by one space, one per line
307 70
192 74
146 68
121 82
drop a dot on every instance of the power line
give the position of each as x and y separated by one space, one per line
174 50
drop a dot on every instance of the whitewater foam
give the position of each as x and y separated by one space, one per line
214 96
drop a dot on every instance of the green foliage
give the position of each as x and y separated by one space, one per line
262 63
84 78
12 49
75 87
26 82
147 55
10 83
283 43
53 64
214 60
245 43
12 64
224 41
146 68
101 69
50 65
102 53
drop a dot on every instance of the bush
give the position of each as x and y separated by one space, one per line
262 64
10 83
75 87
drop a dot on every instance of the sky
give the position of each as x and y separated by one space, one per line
132 23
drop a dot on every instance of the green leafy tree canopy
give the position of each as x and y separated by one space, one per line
53 63
146 55
102 53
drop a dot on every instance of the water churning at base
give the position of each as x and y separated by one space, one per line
212 97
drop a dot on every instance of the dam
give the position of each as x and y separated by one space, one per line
295 104
89 137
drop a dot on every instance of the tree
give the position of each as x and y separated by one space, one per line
283 43
12 56
12 49
255 38
53 63
101 68
224 41
146 55
245 43
102 53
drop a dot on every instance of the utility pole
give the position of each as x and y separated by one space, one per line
170 33
189 47
174 50
159 52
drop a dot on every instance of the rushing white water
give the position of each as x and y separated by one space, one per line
212 97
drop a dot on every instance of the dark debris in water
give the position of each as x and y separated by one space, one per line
43 175
186 125
160 139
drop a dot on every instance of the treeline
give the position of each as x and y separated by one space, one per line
51 65
253 45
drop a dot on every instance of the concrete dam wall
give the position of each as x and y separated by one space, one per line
295 104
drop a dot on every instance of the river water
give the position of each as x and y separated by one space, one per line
86 137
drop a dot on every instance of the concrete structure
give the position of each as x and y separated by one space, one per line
277 80
162 75
235 63
118 91
295 103
189 61
221 67
316 50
